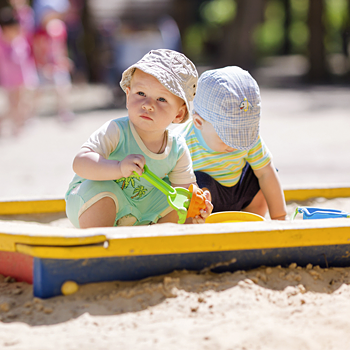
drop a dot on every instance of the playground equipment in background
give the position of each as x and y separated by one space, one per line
187 203
320 213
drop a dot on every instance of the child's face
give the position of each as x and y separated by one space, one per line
210 136
152 108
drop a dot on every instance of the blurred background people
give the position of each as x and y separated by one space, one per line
25 15
75 40
281 42
17 70
51 53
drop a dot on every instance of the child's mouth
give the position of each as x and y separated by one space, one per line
146 117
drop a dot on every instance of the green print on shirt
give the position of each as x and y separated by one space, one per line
139 191
128 180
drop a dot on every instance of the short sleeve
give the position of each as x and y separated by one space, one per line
105 139
183 171
259 155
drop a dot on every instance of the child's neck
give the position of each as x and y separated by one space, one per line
156 143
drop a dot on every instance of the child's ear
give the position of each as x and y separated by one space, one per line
198 121
181 114
127 91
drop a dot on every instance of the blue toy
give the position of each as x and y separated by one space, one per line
320 213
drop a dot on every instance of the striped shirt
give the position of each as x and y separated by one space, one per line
225 168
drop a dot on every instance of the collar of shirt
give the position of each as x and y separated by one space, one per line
201 140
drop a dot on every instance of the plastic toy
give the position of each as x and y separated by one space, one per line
232 216
69 287
320 213
187 203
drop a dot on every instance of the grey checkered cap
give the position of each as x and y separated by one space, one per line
229 98
173 70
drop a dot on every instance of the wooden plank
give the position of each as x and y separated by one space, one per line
32 206
302 194
202 238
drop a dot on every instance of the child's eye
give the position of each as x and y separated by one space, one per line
162 99
141 93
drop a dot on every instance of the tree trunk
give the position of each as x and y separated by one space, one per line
286 47
238 46
185 13
318 71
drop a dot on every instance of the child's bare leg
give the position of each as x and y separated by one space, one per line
258 205
29 103
15 112
171 217
100 214
64 112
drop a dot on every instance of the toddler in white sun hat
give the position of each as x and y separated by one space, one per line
105 190
229 157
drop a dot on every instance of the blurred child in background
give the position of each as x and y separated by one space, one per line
17 69
51 54
25 16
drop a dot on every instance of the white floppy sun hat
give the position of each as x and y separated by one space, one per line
172 69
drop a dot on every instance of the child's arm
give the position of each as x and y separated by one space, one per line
272 191
92 166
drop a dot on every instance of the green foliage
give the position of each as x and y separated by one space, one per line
299 36
268 36
218 11
298 32
214 14
335 21
193 40
299 9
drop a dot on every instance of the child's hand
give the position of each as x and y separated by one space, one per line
131 163
200 219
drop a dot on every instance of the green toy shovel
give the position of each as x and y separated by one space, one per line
178 198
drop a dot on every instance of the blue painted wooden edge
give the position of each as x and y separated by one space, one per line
50 274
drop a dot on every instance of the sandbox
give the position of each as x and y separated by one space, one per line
34 250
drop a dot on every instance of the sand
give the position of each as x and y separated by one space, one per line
266 308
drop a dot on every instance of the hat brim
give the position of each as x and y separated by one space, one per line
162 75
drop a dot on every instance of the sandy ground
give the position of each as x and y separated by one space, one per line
266 308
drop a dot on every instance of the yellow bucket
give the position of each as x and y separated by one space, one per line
232 216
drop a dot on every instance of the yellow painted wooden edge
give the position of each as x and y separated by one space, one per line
8 241
308 193
34 206
310 235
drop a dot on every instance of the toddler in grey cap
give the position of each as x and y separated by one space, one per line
105 190
229 157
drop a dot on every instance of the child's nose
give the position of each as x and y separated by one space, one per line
148 105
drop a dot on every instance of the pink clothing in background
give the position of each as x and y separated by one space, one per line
25 16
17 67
50 52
